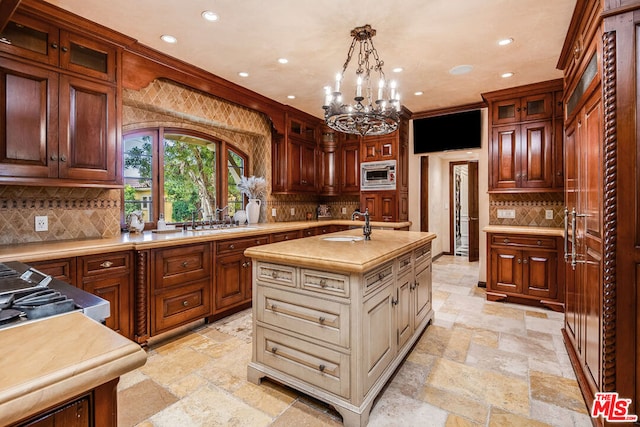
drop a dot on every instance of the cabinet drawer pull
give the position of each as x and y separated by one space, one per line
274 274
394 301
323 283
185 264
506 241
258 242
106 264
246 264
321 368
232 246
412 286
526 261
519 261
54 45
406 262
64 49
274 349
185 303
286 237
539 242
273 307
321 319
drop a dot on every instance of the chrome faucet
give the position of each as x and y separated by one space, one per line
219 211
366 229
193 217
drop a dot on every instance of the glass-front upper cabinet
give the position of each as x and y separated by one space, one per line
535 107
43 42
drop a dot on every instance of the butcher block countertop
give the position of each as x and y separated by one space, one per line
48 361
353 256
515 229
42 251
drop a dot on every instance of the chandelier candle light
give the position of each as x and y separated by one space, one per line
366 116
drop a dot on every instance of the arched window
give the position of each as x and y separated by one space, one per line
180 174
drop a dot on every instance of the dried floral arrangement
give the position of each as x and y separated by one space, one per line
254 187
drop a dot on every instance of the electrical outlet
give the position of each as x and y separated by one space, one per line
42 223
273 211
507 213
344 210
293 211
548 214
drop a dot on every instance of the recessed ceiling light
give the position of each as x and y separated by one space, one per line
505 42
168 38
418 93
283 60
291 96
506 75
397 70
209 16
243 74
460 69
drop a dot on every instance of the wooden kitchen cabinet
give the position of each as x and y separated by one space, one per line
525 269
110 276
375 148
58 106
382 205
63 269
350 165
181 285
232 287
525 150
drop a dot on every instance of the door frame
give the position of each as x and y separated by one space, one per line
473 196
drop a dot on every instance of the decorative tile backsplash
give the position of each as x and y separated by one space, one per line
72 213
530 209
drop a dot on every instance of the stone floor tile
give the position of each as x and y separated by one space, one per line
168 368
268 397
557 416
557 390
500 418
459 405
456 421
142 400
499 361
396 409
302 415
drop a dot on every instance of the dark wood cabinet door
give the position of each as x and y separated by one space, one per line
178 265
540 274
350 176
63 269
558 154
328 170
504 158
231 281
535 155
506 270
388 206
116 290
88 149
536 107
301 165
29 121
87 56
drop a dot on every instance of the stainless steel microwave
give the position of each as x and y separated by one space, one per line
378 175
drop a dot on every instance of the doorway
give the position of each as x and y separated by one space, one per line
464 233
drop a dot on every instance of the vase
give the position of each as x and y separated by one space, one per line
253 210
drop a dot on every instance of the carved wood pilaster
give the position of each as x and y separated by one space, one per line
609 315
141 304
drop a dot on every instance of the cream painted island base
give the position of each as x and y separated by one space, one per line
334 319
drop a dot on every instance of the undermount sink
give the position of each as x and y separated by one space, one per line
343 238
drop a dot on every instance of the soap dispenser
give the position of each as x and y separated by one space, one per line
161 223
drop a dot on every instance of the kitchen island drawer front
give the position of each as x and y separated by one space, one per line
112 263
325 283
227 246
422 255
182 264
306 361
285 236
522 241
181 305
277 274
328 321
378 278
404 264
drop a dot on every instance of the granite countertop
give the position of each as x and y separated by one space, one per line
517 229
48 361
41 251
346 256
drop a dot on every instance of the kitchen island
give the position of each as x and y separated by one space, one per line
335 315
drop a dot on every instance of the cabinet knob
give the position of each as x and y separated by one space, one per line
231 246
64 49
323 283
185 303
519 261
185 264
273 307
274 349
394 301
54 157
321 319
63 158
54 45
258 242
506 241
417 284
322 368
274 274
286 237
539 242
526 261
412 286
106 264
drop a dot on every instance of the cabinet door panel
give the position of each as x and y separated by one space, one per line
116 290
506 270
350 169
87 130
229 286
503 153
536 155
540 274
378 335
403 311
422 295
87 57
28 121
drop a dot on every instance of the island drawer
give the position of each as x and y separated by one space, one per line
307 315
181 305
277 274
404 263
324 282
422 255
378 278
238 245
314 364
522 241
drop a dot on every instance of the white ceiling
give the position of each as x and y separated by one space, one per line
425 37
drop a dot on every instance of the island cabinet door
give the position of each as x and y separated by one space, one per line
422 295
379 334
403 309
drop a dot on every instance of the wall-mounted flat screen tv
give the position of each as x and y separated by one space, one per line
456 131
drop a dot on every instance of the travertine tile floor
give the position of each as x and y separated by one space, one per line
479 364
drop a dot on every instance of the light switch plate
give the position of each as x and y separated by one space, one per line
42 223
273 211
507 213
293 211
548 213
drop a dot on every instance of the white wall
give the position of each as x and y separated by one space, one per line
439 209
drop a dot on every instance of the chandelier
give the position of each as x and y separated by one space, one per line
372 112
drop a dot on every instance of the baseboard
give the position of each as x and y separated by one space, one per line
437 256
